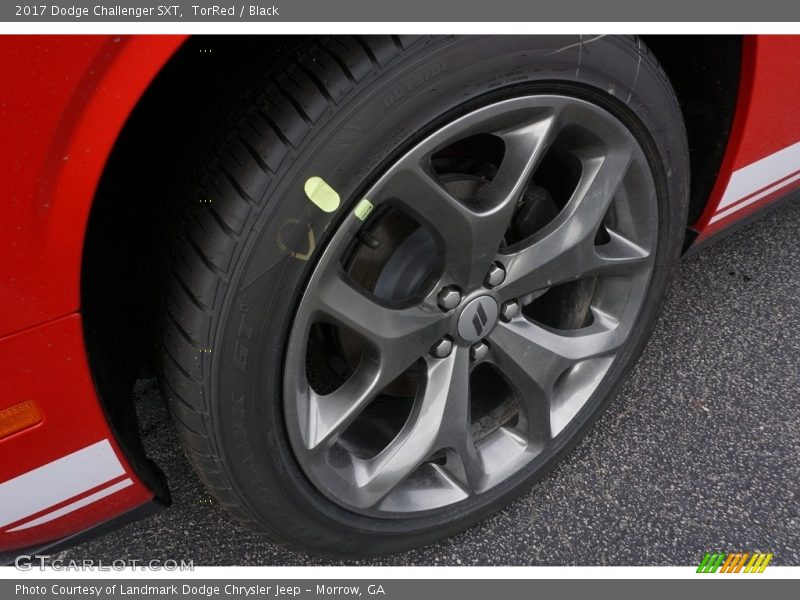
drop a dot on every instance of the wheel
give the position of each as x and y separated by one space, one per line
421 269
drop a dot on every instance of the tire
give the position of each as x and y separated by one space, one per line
248 256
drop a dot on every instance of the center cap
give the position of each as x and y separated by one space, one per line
477 318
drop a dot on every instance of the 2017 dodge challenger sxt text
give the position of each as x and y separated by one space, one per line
385 282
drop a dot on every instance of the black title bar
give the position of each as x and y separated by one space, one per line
443 11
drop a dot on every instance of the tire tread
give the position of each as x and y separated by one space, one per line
279 118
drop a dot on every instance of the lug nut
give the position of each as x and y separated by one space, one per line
509 310
479 351
496 275
442 348
449 297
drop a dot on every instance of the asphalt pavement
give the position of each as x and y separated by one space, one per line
699 452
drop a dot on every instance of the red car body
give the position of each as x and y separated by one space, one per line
63 104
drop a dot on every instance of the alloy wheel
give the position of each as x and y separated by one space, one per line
445 343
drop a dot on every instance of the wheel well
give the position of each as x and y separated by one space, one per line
704 71
138 198
133 213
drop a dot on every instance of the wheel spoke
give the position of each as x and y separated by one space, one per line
546 350
397 339
525 145
533 358
330 414
471 230
528 375
566 250
455 227
532 369
440 423
619 256
396 334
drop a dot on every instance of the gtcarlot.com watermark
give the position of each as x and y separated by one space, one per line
29 562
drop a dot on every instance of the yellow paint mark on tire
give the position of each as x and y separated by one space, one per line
363 208
321 194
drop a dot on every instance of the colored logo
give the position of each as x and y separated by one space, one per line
734 562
